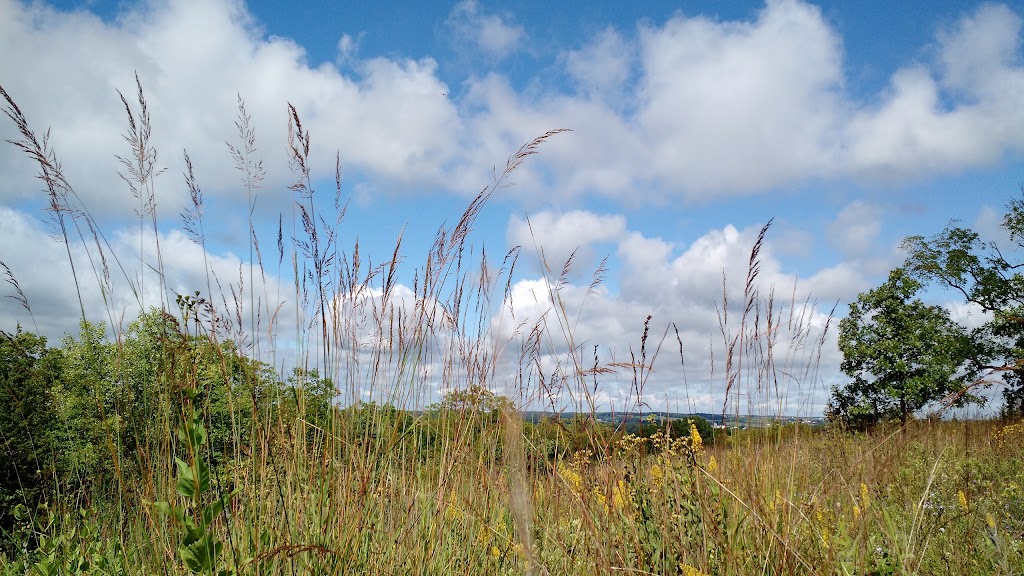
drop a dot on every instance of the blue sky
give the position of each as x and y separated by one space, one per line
854 125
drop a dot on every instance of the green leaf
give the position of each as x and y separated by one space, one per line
186 485
201 556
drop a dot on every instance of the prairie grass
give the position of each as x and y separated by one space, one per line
215 462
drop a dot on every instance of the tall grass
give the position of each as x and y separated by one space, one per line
412 482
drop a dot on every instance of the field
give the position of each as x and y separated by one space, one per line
175 446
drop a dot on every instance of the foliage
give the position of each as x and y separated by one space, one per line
983 275
27 372
901 354
200 549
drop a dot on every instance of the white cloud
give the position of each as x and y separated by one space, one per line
602 67
738 106
989 225
683 289
856 228
912 131
490 33
39 262
978 51
967 314
393 122
719 108
558 236
840 282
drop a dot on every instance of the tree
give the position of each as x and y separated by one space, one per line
27 374
959 260
476 399
901 354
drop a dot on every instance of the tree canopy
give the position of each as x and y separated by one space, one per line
902 355
987 276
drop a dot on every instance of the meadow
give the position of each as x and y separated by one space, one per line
173 445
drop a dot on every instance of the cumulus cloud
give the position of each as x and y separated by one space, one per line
602 67
392 122
117 279
989 225
914 130
688 108
491 33
698 290
967 314
555 237
856 228
740 106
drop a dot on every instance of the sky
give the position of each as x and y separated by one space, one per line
849 126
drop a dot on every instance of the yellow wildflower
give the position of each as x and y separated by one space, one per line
483 536
495 551
1008 434
452 513
712 465
656 474
620 494
696 442
571 477
961 499
990 520
865 496
687 570
856 512
600 498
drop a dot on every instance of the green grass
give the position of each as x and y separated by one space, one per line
171 452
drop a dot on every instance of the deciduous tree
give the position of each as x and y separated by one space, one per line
902 355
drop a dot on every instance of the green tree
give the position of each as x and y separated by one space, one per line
475 399
27 374
86 403
901 354
989 278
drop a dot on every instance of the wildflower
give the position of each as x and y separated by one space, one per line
712 465
865 496
696 442
571 477
538 492
483 536
620 493
961 499
990 520
656 474
452 513
495 552
600 498
856 512
630 443
687 570
580 459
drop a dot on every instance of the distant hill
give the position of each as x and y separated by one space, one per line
715 419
